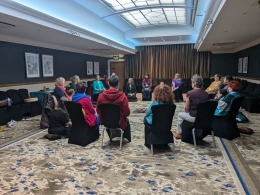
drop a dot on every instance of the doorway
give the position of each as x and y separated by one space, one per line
119 69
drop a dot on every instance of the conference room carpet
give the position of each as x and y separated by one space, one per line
35 165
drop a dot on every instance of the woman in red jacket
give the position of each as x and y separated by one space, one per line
89 111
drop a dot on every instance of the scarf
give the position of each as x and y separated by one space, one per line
67 96
79 96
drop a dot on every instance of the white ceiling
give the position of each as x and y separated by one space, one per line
238 21
28 32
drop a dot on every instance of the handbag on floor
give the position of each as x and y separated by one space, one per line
241 118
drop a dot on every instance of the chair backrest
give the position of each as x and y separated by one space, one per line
23 93
75 112
162 117
13 95
205 114
110 114
3 95
256 91
235 106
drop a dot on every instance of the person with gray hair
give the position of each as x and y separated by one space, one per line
75 80
193 97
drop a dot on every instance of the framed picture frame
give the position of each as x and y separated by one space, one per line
89 68
240 65
96 68
47 66
245 65
32 65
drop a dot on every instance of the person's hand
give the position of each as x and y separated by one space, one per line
219 95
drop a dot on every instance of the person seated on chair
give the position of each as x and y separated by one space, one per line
98 88
221 93
59 90
89 112
193 97
75 80
112 95
225 102
59 120
162 95
3 102
130 89
214 86
176 87
162 83
147 87
226 81
70 93
68 86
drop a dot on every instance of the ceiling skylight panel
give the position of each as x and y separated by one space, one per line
137 15
154 2
180 2
128 5
140 3
166 1
180 13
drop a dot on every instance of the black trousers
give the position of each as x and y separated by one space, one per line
178 95
95 97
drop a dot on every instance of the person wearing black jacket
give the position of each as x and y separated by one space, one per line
130 89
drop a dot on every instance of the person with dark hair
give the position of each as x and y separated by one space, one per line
130 89
221 93
59 121
162 95
193 97
98 88
214 86
226 81
147 88
114 96
225 102
88 110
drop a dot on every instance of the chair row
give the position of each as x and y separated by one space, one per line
186 86
160 130
19 107
251 92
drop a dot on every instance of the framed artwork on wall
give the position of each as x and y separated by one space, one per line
96 68
47 66
89 68
32 65
245 65
240 65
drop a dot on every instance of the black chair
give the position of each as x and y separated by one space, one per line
251 101
3 109
36 107
203 123
226 126
110 116
25 109
160 130
80 133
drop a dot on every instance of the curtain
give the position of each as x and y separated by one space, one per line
163 61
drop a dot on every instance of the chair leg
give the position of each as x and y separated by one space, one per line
121 139
213 137
194 138
173 148
152 149
102 137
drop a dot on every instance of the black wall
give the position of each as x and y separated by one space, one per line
222 64
253 54
66 64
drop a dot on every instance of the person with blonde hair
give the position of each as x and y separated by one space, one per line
130 89
162 95
59 90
